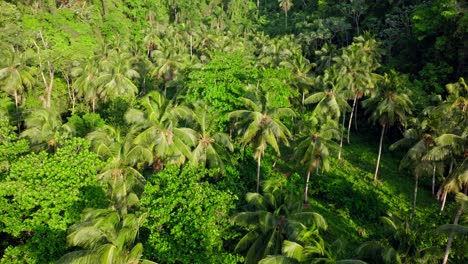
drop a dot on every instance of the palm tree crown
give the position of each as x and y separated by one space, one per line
261 124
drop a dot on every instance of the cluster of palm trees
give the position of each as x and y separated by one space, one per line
437 146
161 129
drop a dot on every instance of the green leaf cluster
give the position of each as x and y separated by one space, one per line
43 194
188 218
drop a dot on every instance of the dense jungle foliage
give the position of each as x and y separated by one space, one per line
233 131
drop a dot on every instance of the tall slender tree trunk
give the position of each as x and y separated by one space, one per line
306 190
444 198
416 178
52 6
433 179
455 222
355 117
49 84
259 163
124 210
342 134
258 8
351 116
191 45
356 19
16 100
380 153
286 18
16 109
104 7
93 104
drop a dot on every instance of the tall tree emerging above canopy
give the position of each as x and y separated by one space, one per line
261 124
285 5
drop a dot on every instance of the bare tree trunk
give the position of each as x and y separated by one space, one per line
258 172
306 190
416 178
355 117
71 92
342 135
104 7
380 153
351 116
433 179
444 198
52 5
16 100
50 68
125 202
450 239
17 112
286 18
191 45
356 19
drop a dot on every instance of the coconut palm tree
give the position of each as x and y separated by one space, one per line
312 150
168 64
448 148
285 5
117 72
15 75
158 126
413 159
119 173
455 228
210 143
458 183
106 237
331 101
302 77
310 248
387 106
86 85
274 51
272 219
398 246
261 125
355 70
45 129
